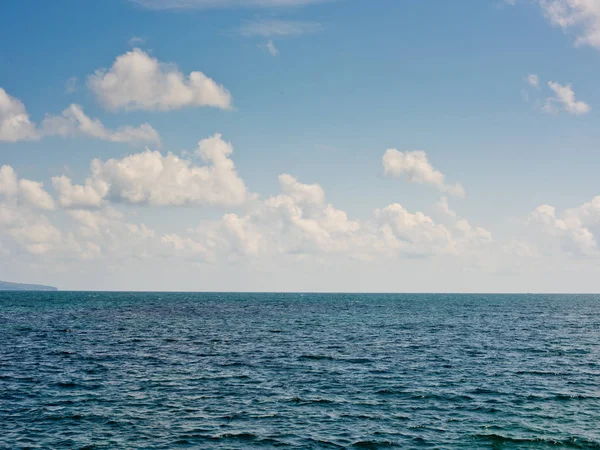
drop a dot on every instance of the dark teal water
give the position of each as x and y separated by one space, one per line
234 371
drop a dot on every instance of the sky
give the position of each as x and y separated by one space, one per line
300 145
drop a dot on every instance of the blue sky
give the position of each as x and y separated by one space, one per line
318 90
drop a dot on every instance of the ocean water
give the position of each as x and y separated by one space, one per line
235 371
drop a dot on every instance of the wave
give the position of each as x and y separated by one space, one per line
571 442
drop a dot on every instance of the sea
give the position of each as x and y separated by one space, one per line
89 370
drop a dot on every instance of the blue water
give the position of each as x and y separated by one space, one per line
234 371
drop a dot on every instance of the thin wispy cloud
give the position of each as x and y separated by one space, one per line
212 4
533 80
71 85
278 28
136 41
272 49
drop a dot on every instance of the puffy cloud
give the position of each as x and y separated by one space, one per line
89 195
138 81
190 4
24 192
20 203
580 16
413 234
153 179
37 237
300 222
33 193
564 99
14 120
74 122
279 28
15 125
572 229
416 167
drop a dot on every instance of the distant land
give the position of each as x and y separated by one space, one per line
6 286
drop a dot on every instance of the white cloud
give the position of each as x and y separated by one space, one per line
413 234
74 122
38 237
15 125
139 81
416 167
24 192
82 196
33 193
443 206
153 179
564 99
20 203
191 4
279 28
533 80
573 229
14 120
299 222
579 16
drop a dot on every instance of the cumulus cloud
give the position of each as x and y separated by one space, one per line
278 28
192 4
582 17
21 201
15 125
25 192
416 167
138 81
564 99
14 120
299 222
74 122
154 179
573 229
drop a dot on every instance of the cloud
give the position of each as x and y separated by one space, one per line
24 192
582 17
443 206
278 28
74 122
138 81
416 167
71 85
21 201
15 125
272 49
564 99
136 41
208 4
299 222
14 120
150 178
533 80
572 230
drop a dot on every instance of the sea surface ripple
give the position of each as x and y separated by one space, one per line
233 371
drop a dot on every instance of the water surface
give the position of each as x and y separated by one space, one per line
232 371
